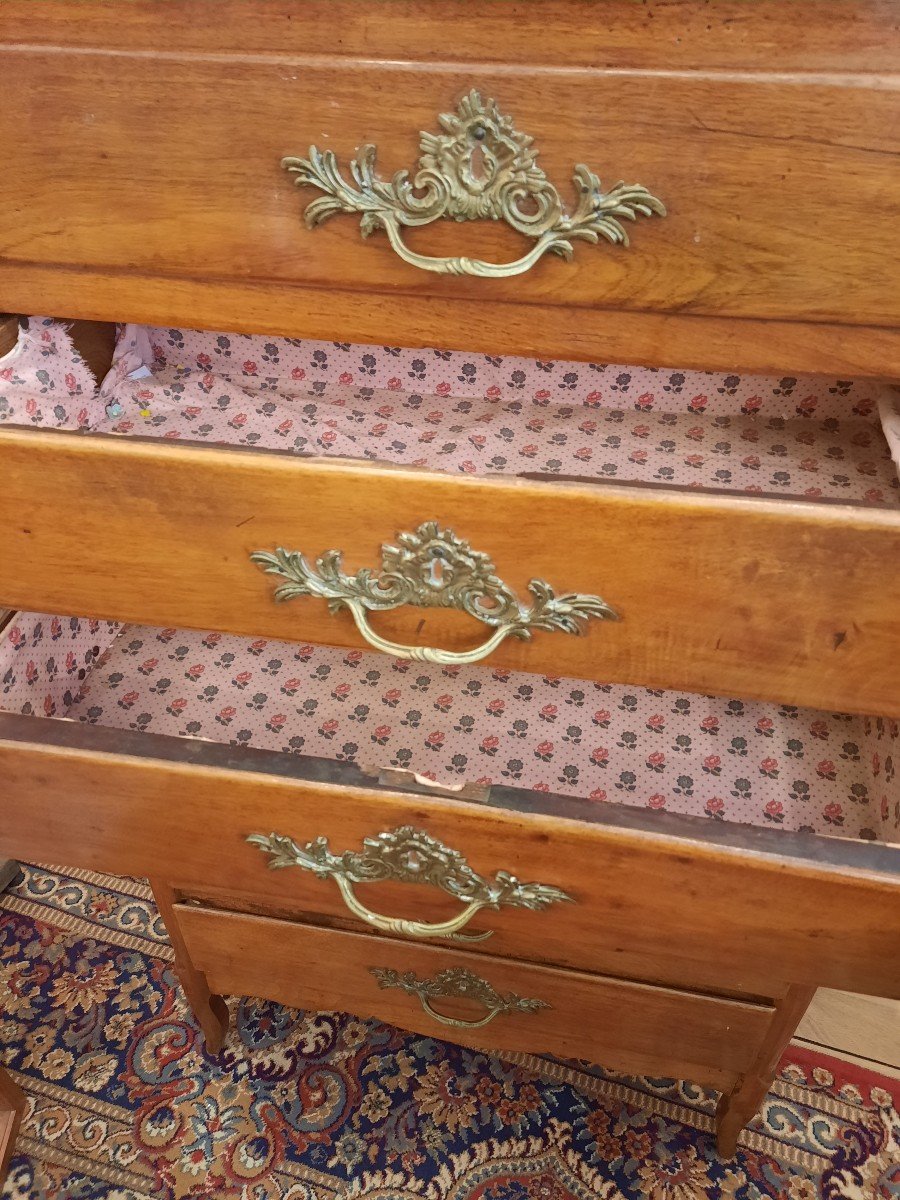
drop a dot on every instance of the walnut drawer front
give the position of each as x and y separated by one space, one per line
623 1025
737 156
660 897
780 600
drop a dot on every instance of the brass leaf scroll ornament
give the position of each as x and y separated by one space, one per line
432 568
409 855
481 166
461 984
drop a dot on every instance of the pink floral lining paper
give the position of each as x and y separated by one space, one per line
44 382
723 759
719 758
471 414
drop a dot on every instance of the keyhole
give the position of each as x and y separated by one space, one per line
436 568
477 164
436 573
413 862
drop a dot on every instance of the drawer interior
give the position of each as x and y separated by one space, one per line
723 758
793 438
776 766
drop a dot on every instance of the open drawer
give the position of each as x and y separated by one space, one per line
657 896
778 599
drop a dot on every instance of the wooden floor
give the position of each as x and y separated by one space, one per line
863 1028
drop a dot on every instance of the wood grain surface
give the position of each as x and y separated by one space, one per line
626 1026
487 327
737 1108
782 600
655 899
739 162
737 141
802 35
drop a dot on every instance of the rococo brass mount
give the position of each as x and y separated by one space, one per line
409 855
480 167
457 983
432 568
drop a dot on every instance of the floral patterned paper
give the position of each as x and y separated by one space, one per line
734 760
474 415
44 661
44 381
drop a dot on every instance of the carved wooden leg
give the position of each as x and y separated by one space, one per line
10 871
12 1105
737 1107
210 1010
12 1098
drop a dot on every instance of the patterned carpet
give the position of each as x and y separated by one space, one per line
124 1104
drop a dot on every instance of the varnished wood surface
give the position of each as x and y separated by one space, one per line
802 35
737 1107
210 1010
488 327
626 1026
781 600
738 157
738 160
704 910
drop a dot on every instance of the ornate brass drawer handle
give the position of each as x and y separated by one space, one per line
481 166
431 568
409 855
457 982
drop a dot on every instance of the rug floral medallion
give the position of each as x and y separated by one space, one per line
124 1103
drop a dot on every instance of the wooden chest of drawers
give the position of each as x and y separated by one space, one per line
761 181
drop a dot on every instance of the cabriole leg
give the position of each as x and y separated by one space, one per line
12 1105
209 1009
739 1105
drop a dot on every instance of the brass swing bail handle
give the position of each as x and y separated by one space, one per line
431 654
431 567
416 929
409 855
457 983
481 166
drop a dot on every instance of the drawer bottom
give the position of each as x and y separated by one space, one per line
488 1003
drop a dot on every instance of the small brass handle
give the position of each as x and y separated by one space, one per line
480 167
457 982
432 568
409 855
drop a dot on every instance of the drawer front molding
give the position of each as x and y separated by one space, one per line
457 983
409 855
480 167
431 568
